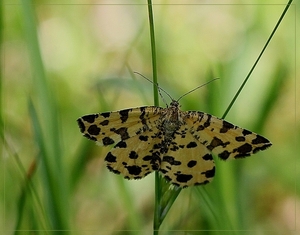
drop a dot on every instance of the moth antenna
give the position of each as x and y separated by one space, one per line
196 88
158 87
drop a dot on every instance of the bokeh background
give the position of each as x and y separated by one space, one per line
54 179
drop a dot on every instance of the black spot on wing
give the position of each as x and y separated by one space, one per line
207 122
121 144
226 126
93 130
166 177
107 141
104 123
216 142
174 147
202 183
242 155
113 170
133 155
260 140
192 145
209 173
143 137
200 128
240 138
110 158
106 115
154 160
142 109
224 155
171 160
90 137
90 118
144 122
207 157
147 158
157 146
122 131
155 166
192 163
81 125
244 149
256 149
124 114
183 178
246 132
134 170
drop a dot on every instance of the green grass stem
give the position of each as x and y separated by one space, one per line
47 132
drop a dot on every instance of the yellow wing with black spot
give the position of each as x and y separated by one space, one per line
223 138
187 162
111 127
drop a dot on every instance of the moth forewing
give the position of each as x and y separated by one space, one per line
111 127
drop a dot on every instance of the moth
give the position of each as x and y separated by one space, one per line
178 144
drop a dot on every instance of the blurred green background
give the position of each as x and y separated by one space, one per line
54 181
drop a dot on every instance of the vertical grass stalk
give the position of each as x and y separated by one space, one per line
47 135
164 195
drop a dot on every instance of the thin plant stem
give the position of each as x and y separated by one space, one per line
156 103
258 58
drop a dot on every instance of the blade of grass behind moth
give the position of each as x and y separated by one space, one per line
153 54
38 219
237 218
258 58
271 96
135 221
213 208
27 188
80 160
53 174
272 93
2 149
225 185
211 211
1 76
168 198
165 195
240 190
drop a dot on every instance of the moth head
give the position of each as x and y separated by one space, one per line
174 104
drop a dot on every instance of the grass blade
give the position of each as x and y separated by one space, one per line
47 136
258 58
165 195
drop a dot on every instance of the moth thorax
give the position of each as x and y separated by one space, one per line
169 128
